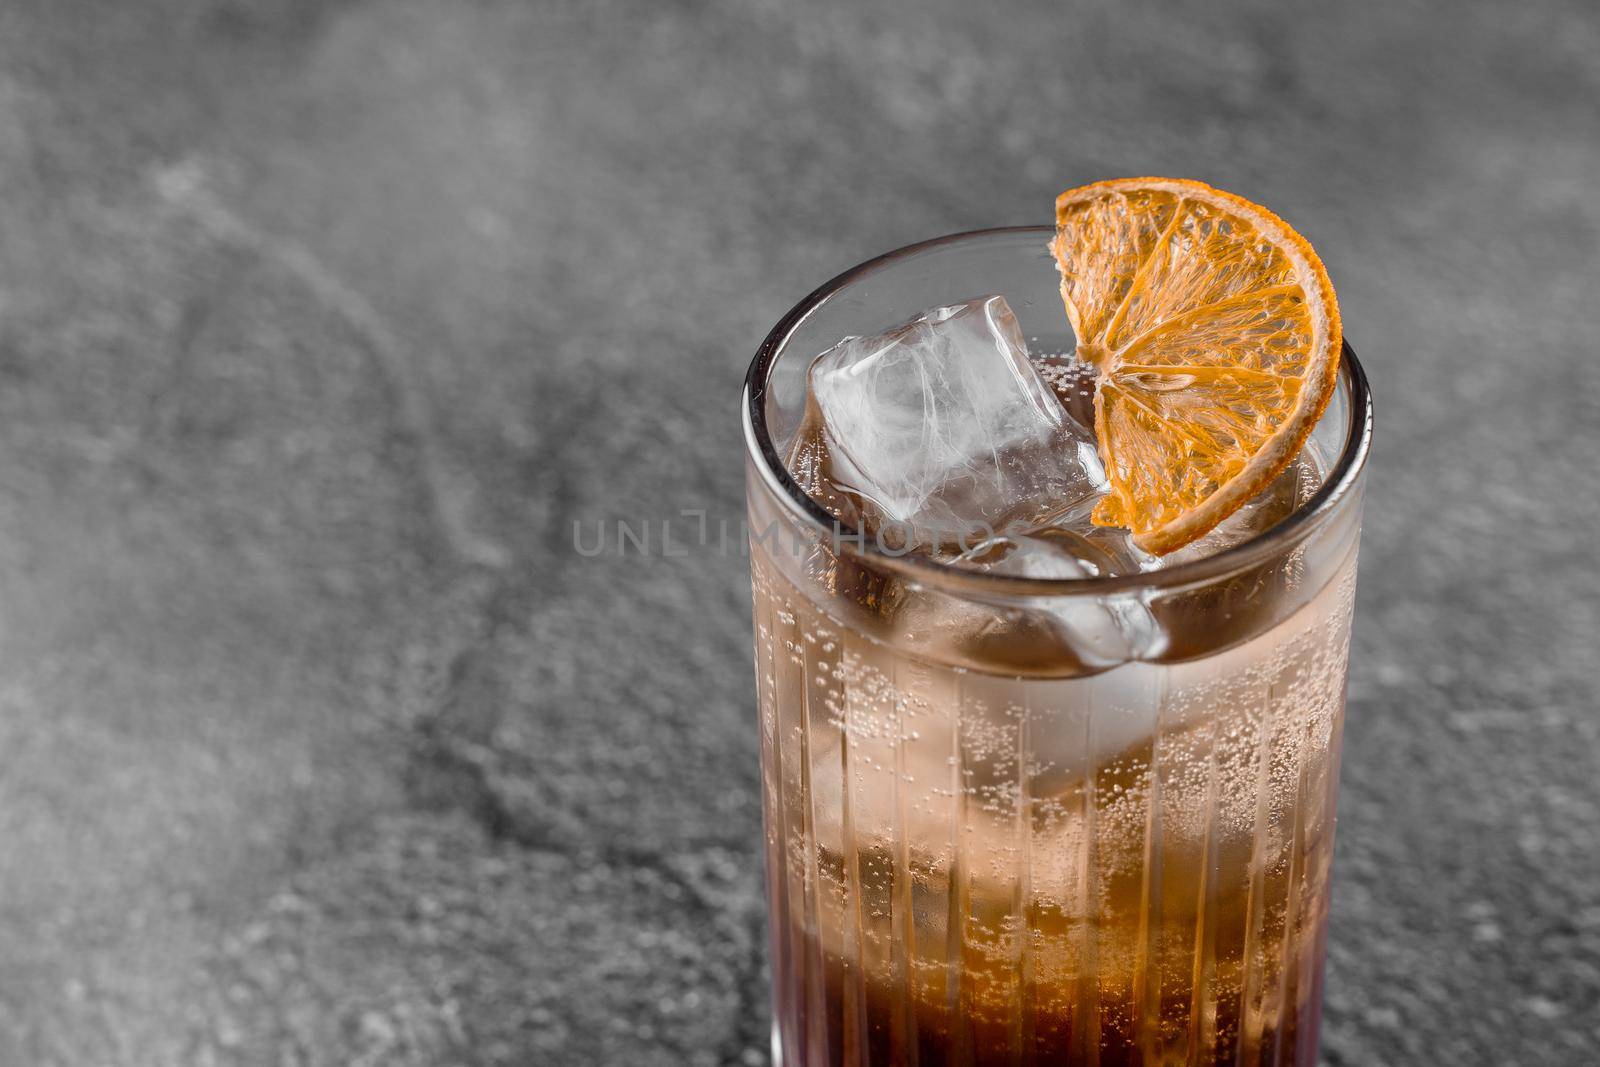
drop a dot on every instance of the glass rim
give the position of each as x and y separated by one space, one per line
1296 527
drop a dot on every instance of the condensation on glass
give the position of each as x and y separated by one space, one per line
989 843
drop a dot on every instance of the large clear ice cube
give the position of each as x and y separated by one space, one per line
1049 636
943 428
1107 629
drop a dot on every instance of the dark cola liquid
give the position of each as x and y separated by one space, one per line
882 1023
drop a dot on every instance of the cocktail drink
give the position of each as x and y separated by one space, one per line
1038 788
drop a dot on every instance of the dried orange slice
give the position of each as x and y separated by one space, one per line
1215 333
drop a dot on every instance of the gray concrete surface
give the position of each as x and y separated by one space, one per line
321 322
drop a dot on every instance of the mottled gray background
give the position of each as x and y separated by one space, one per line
321 322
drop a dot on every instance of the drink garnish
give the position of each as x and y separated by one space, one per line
1214 332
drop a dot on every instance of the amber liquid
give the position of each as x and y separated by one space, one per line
1127 867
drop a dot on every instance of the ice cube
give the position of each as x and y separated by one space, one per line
944 430
1102 551
1030 635
1109 629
